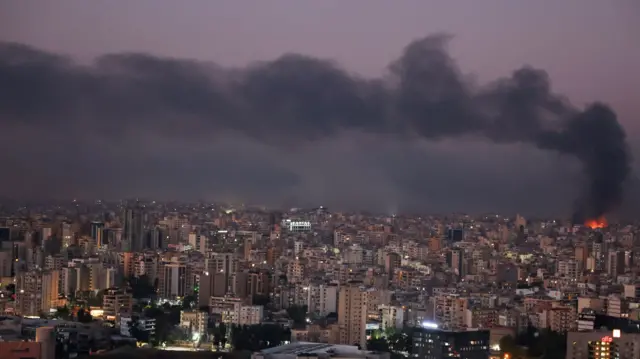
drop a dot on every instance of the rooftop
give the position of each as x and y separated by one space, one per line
309 348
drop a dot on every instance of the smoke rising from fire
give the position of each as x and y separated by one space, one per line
297 99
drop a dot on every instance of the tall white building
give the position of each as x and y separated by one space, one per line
392 316
227 307
67 235
100 277
250 314
322 298
174 280
194 321
198 242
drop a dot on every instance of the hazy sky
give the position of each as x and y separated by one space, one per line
590 49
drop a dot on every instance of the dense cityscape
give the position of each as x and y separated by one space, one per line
245 279
435 180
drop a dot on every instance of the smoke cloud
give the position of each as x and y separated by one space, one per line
297 99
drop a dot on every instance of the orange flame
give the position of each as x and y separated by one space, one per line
596 223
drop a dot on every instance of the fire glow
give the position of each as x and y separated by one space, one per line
596 223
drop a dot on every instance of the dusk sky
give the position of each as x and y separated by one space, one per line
590 50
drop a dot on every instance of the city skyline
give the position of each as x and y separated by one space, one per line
345 170
289 179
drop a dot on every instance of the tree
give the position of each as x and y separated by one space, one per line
400 342
219 333
174 314
136 332
390 331
509 346
163 327
257 337
96 298
379 344
552 344
84 316
213 333
543 344
141 287
63 313
298 313
71 298
222 328
188 302
261 299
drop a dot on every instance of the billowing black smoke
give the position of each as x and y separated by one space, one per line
297 98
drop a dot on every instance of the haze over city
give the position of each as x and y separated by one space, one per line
328 179
72 149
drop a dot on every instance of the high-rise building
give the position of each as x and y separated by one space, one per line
116 302
455 260
391 262
127 264
194 321
6 260
228 308
455 234
250 314
435 244
223 263
133 238
100 277
174 280
429 342
352 314
5 234
156 238
199 242
249 284
598 251
36 292
97 233
322 298
392 316
211 285
248 246
46 234
569 268
600 344
66 234
581 255
615 262
68 281
450 310
112 237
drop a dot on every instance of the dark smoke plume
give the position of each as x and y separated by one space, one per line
297 98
